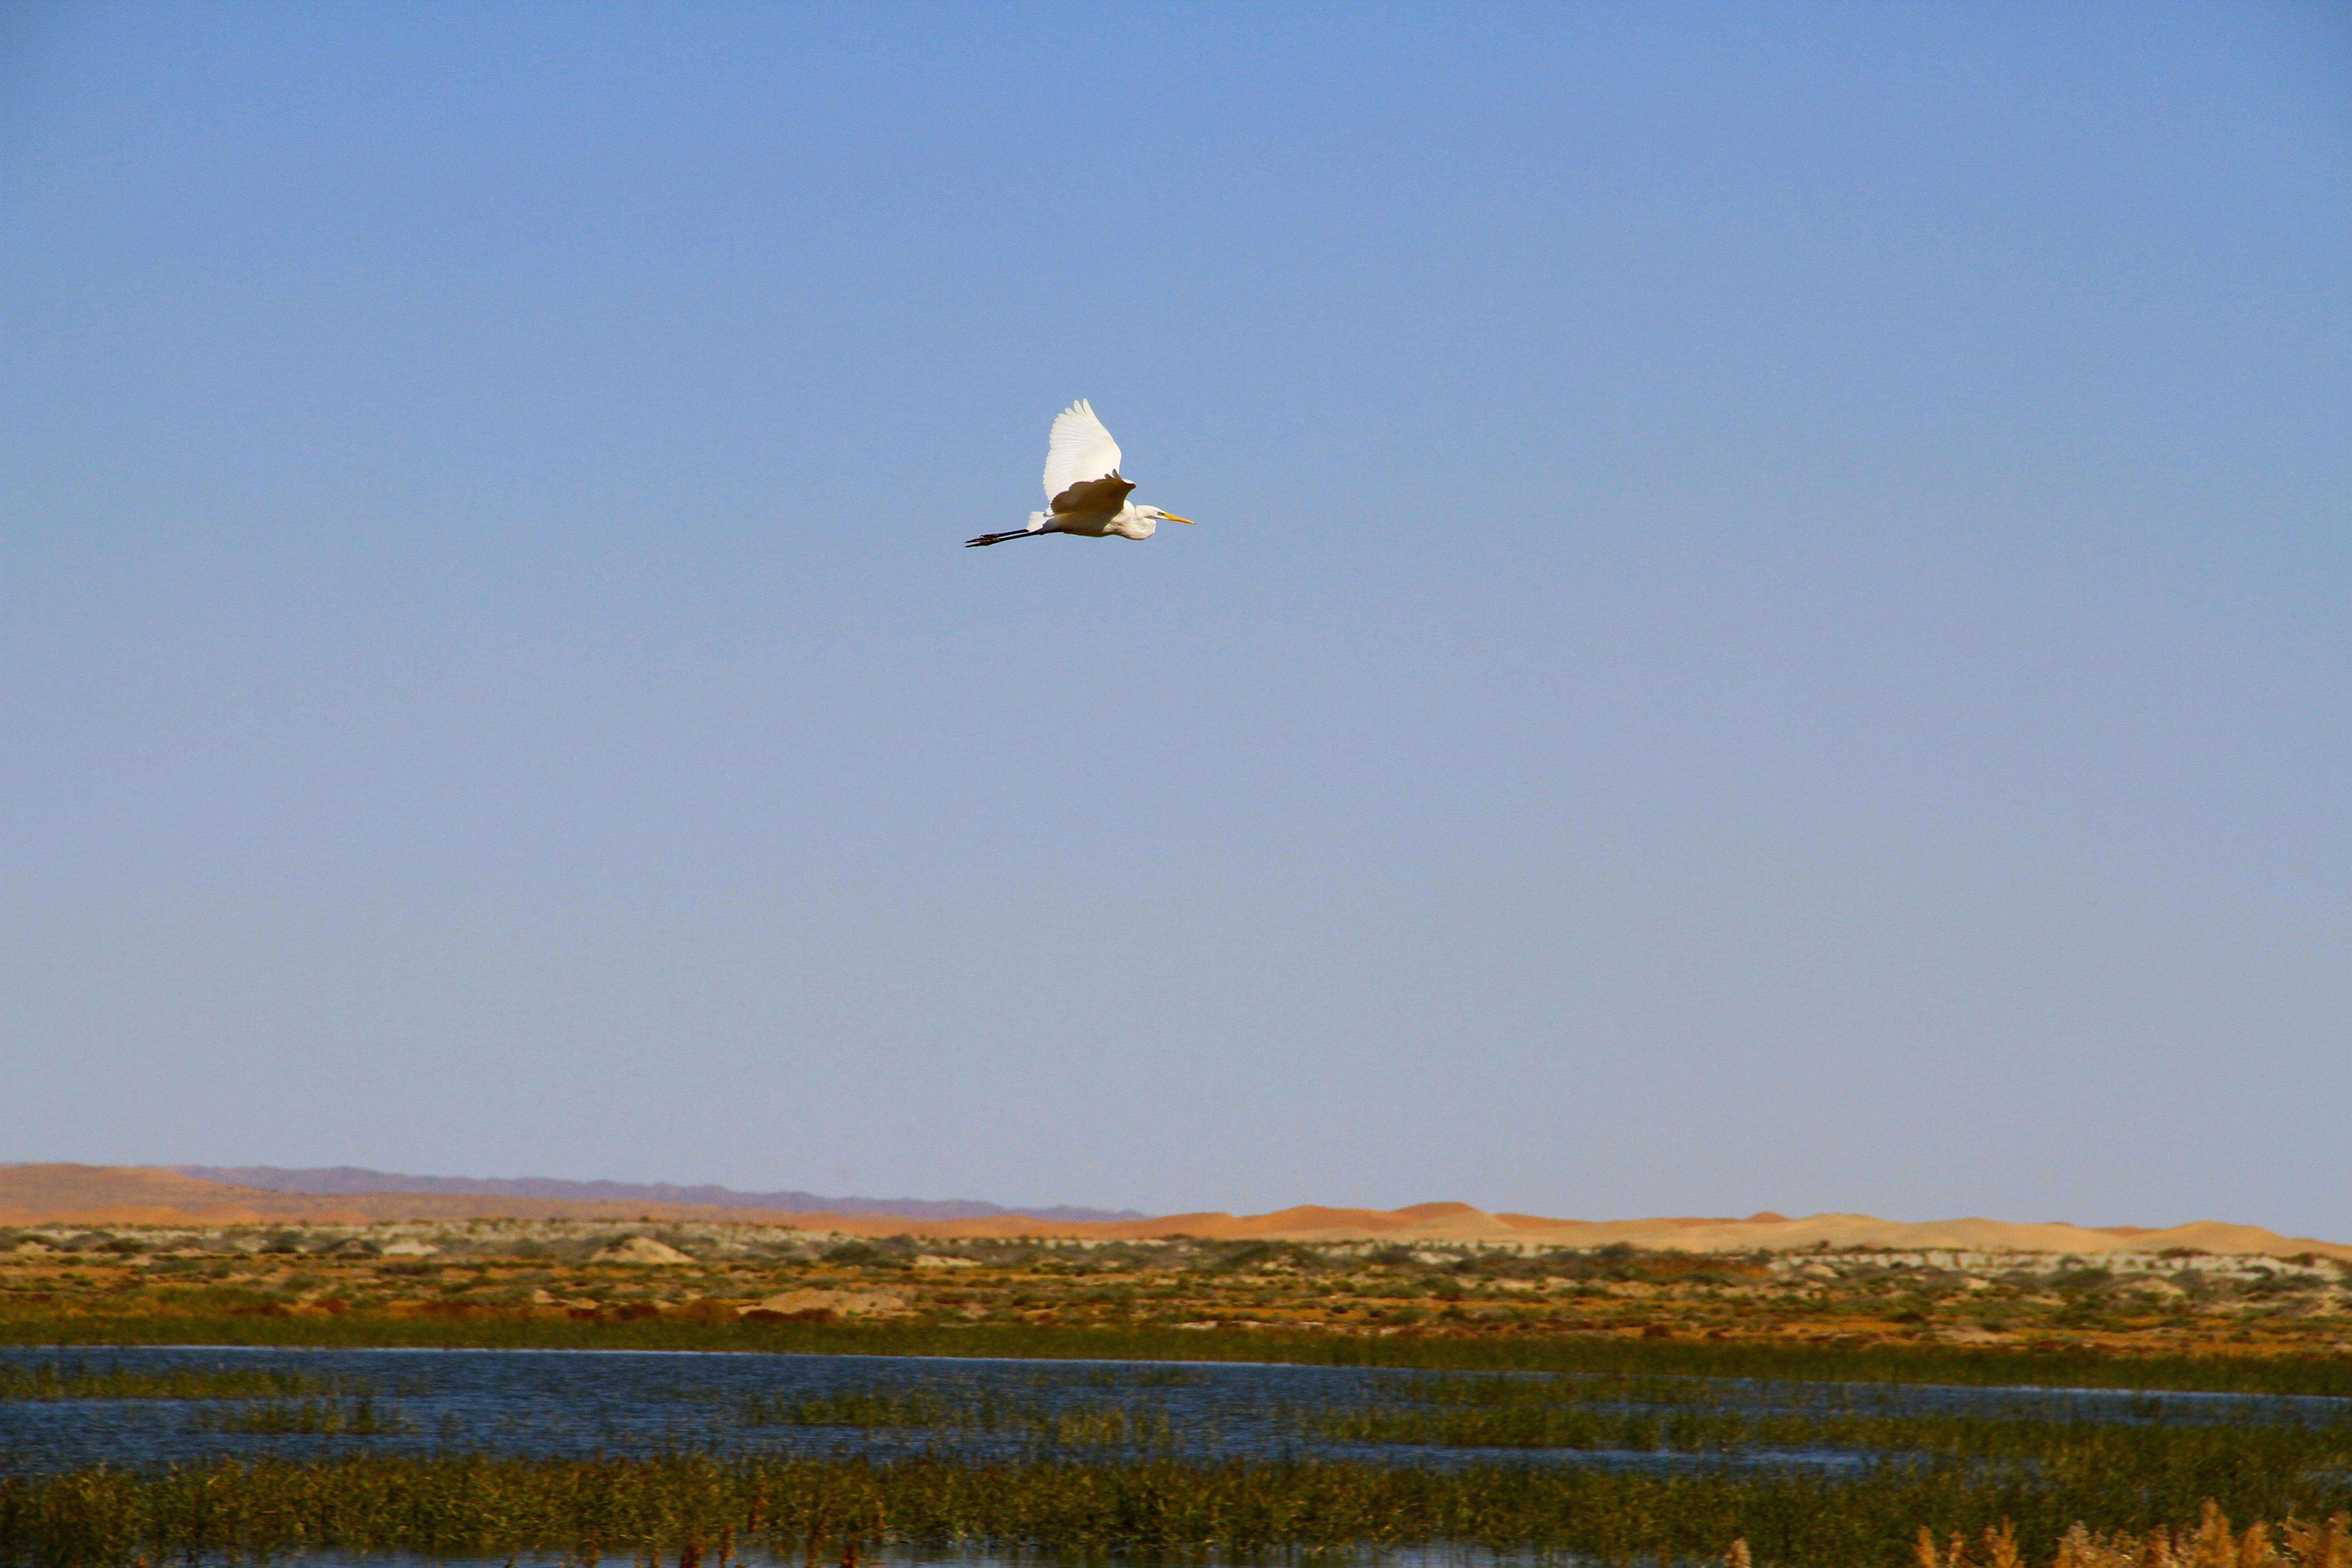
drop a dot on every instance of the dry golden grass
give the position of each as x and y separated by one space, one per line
2213 1543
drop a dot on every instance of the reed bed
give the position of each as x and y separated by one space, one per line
2214 1544
2253 1456
1111 1426
1703 1391
2236 1457
2228 1451
698 1508
1651 1414
79 1380
2071 1366
1541 1390
871 1407
358 1417
1132 1377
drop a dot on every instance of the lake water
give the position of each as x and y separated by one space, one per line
579 1404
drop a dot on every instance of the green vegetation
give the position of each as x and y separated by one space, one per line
2321 1372
77 1380
2227 1458
694 1506
1820 1475
1113 1426
1772 1399
1517 1409
305 1417
2139 1445
869 1408
2119 1452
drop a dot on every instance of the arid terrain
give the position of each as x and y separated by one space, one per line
1440 1270
992 1379
139 1194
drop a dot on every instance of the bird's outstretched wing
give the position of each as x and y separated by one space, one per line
1078 454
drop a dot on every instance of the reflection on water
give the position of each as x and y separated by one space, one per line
580 1403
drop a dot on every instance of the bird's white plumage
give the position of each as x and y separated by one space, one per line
1085 494
1080 449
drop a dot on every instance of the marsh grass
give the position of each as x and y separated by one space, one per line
2082 1367
475 1507
1106 1427
1138 1377
358 1417
872 1407
2135 1442
2225 1456
1110 1426
1651 1414
79 1380
2291 1544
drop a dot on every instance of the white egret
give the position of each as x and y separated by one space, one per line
1084 492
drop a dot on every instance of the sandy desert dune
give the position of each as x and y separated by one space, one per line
132 1194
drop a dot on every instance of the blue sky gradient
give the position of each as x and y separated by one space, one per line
1771 624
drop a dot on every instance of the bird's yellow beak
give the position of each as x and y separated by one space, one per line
1173 518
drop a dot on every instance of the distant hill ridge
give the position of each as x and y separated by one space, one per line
341 1181
133 1195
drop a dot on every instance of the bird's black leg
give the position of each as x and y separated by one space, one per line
1001 537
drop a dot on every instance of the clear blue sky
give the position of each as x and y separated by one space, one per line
1770 626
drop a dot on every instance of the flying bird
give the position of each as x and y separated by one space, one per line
1084 492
